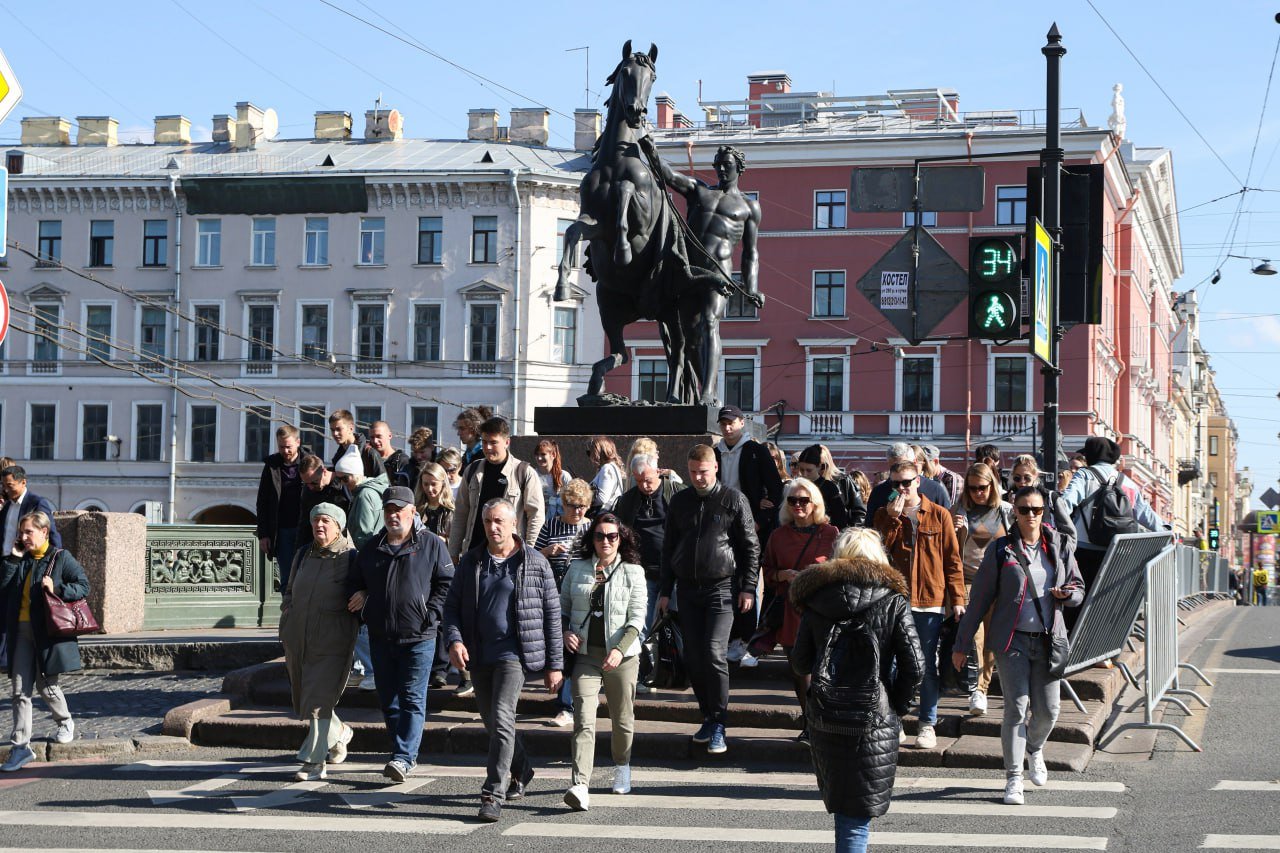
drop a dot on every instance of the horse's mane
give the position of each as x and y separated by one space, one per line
638 56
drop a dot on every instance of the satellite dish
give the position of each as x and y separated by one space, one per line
270 124
395 122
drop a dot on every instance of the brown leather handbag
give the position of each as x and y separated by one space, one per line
66 618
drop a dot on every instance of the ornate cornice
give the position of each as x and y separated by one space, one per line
89 199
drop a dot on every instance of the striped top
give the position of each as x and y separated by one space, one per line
556 530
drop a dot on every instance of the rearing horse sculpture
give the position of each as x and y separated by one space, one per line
634 253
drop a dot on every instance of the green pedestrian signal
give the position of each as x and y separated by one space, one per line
995 288
1214 538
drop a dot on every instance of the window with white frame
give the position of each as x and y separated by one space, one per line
928 219
373 240
424 416
312 426
430 239
1213 445
204 434
651 379
208 242
207 335
829 209
1011 205
262 335
482 328
738 306
257 433
97 331
828 384
564 345
371 337
315 330
44 343
155 243
263 251
1010 389
917 384
740 383
148 432
315 242
484 239
43 430
152 329
94 430
366 417
426 331
102 240
562 226
828 293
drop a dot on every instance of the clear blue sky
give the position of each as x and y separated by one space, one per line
144 58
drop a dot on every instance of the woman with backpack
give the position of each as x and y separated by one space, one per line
1025 580
855 626
816 465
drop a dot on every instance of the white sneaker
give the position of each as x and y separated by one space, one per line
310 773
577 798
562 720
66 731
1037 773
902 735
749 661
622 779
367 683
338 752
926 738
1013 791
977 703
737 649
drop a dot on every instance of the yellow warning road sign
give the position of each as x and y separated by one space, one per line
10 89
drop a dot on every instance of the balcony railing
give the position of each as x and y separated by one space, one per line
919 424
914 425
826 423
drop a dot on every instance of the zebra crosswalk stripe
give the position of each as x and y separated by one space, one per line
1241 842
901 807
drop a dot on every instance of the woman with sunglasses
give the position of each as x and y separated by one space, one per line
451 461
804 537
1025 471
602 601
981 518
1025 579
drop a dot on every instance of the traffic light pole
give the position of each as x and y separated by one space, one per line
1051 159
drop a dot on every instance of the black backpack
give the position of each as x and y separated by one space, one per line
846 690
1111 513
662 656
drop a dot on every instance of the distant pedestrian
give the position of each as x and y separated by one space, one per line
610 479
1261 580
989 454
816 465
280 501
18 503
394 460
931 489
602 602
32 567
935 470
467 425
342 427
857 643
451 461
502 620
559 541
546 458
319 637
498 474
422 452
643 508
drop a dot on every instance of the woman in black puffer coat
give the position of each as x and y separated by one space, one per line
854 705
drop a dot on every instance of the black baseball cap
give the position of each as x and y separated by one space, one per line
397 496
730 413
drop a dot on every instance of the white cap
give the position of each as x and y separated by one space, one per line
350 463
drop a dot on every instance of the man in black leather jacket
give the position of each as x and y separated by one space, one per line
711 548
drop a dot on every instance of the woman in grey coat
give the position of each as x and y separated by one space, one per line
1023 618
319 636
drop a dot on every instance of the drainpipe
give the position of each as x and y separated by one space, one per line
515 307
171 510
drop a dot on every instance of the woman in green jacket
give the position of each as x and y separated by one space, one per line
36 659
602 601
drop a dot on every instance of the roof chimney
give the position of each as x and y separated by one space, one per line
482 124
333 124
173 130
97 130
383 125
529 125
761 85
46 130
222 128
586 129
666 111
249 125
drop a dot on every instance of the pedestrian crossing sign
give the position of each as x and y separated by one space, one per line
1269 521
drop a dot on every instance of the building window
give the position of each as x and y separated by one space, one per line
50 243
426 333
207 337
740 383
828 294
315 331
102 239
484 239
315 250
430 239
155 243
928 219
917 385
829 209
1010 385
44 431
371 334
828 384
209 242
44 351
366 417
151 335
257 433
373 240
652 375
204 433
93 432
1011 205
483 327
1213 445
262 335
1213 479
149 430
263 250
738 306
313 425
97 331
562 226
564 347
424 416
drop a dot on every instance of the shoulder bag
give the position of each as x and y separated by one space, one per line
66 618
1057 647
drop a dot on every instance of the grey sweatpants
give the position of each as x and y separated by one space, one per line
26 679
1031 699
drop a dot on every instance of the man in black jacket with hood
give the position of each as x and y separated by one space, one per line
711 548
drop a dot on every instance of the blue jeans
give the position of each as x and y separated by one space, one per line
362 651
928 626
651 611
286 547
564 699
401 671
852 833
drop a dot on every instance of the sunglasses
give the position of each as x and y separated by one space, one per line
1031 510
575 506
980 488
904 484
601 536
798 500
451 469
1024 478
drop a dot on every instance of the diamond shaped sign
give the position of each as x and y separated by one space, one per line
1270 499
942 285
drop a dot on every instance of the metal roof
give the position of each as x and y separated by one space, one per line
299 157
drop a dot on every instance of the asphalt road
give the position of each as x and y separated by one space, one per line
245 801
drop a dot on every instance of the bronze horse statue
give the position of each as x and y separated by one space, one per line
635 248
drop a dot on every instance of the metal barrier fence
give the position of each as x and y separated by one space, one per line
1200 574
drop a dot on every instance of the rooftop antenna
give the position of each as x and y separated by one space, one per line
377 107
586 90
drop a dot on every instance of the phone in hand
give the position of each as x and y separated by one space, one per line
893 495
